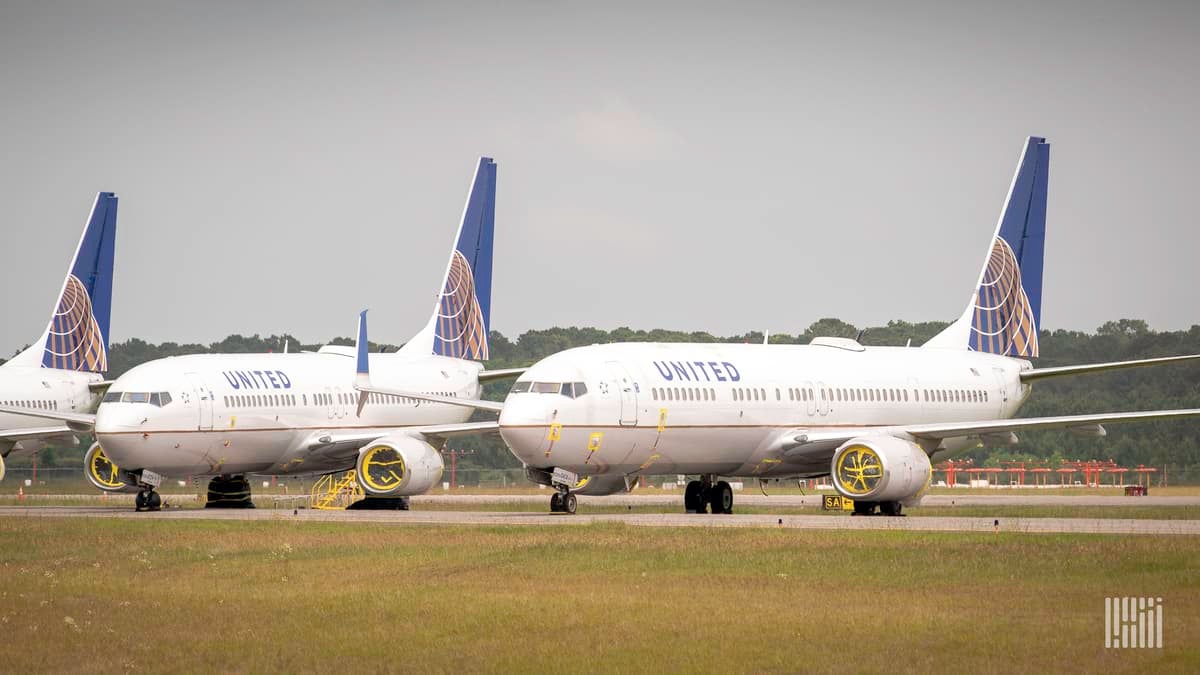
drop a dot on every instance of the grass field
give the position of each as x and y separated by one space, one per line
115 595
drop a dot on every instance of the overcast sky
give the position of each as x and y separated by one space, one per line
731 167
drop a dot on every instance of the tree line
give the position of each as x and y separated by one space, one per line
1175 445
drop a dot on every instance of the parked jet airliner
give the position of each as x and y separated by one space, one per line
64 369
593 419
226 416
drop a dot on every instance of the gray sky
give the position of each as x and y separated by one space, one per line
731 167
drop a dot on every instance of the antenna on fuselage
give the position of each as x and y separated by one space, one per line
766 336
285 345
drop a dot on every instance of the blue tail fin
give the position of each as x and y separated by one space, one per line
462 318
77 337
1005 312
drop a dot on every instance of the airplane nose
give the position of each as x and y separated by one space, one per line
116 430
523 426
522 410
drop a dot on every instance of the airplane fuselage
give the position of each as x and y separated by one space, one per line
45 389
725 408
266 413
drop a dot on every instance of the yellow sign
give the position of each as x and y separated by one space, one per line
555 432
837 503
594 441
662 419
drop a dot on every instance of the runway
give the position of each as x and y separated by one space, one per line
510 518
676 499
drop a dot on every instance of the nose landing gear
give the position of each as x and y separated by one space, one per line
147 500
563 501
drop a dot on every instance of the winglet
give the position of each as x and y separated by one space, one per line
461 316
362 370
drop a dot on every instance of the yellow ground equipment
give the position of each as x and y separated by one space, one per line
335 491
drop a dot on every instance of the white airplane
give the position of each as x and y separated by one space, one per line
591 420
226 416
64 369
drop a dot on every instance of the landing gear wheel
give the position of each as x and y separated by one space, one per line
147 500
891 508
720 498
569 503
229 492
864 508
693 497
556 503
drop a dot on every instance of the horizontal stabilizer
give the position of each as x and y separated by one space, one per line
1062 371
504 374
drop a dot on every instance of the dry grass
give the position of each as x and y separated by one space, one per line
117 595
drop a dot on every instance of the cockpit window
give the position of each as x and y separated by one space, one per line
568 389
158 398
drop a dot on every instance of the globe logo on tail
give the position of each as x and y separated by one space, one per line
460 331
74 341
1003 319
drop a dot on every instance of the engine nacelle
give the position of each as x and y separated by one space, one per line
881 469
398 466
102 473
600 486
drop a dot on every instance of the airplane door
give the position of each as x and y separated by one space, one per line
624 384
822 400
1002 387
204 401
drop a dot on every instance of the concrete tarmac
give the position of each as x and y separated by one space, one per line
510 518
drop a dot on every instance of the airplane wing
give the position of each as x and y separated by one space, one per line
35 433
802 442
362 379
347 444
478 404
76 421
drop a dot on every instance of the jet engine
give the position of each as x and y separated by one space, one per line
102 473
600 486
881 469
398 466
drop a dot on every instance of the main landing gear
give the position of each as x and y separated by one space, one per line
563 501
229 492
380 504
885 508
702 495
